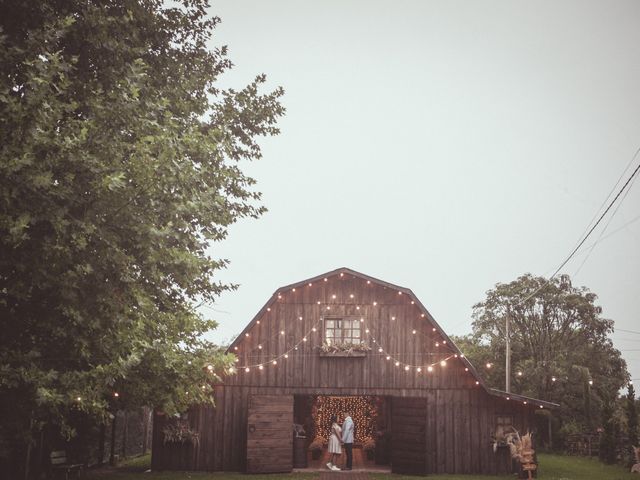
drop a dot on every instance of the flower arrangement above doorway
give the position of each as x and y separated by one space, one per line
346 349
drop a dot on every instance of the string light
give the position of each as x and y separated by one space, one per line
398 362
363 411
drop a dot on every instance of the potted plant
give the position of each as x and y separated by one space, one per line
316 447
369 447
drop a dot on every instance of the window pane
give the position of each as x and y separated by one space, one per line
329 323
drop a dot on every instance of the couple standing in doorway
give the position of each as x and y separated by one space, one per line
341 436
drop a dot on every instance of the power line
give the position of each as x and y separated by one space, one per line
590 231
626 331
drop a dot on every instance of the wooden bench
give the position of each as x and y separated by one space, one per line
60 467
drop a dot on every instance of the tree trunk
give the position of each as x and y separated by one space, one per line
145 429
125 428
103 434
112 456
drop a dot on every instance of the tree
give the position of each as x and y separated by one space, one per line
631 413
607 450
560 347
119 165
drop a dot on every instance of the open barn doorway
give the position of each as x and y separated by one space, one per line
371 417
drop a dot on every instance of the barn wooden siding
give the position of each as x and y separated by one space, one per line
459 415
459 424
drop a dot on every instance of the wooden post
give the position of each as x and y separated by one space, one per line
550 436
507 374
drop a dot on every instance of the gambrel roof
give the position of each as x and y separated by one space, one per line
428 317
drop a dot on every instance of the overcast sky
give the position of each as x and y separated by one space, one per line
442 146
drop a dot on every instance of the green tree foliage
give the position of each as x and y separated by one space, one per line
119 165
560 346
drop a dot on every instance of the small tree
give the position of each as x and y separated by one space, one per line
632 421
608 439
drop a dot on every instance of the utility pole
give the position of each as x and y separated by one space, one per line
507 380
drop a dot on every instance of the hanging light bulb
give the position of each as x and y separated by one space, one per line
419 369
397 364
406 367
388 357
443 363
247 370
260 367
429 368
286 355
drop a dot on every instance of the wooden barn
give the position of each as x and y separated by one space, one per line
347 342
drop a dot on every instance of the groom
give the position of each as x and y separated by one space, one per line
347 438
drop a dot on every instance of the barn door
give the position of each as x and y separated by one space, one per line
269 434
408 435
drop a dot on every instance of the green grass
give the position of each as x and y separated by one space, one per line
552 467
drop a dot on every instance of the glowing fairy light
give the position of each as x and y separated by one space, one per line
443 363
429 368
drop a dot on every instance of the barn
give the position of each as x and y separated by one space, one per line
347 342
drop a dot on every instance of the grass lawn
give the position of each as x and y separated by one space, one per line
552 467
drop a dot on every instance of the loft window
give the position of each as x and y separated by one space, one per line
339 330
